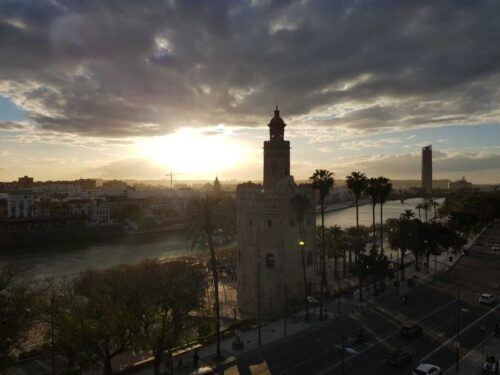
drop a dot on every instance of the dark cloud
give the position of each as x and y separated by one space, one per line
444 164
125 68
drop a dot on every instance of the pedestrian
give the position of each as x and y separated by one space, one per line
168 363
180 364
196 358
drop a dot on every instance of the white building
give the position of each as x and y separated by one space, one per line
99 213
20 204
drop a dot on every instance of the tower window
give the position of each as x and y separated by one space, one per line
309 258
291 223
269 223
270 261
250 222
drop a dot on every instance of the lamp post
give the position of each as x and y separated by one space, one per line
301 245
457 341
259 333
340 330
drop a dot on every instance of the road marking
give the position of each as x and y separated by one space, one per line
463 329
383 339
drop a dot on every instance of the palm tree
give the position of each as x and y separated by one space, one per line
300 203
419 207
322 180
205 216
408 214
385 187
435 204
426 206
372 189
356 182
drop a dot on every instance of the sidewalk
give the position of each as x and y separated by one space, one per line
472 362
274 331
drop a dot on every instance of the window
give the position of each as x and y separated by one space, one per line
291 223
250 223
269 223
309 258
270 261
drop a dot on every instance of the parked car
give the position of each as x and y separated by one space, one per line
490 366
205 370
400 358
486 299
427 369
410 332
495 247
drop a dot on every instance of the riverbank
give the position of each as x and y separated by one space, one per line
101 234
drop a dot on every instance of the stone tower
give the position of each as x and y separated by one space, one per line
270 262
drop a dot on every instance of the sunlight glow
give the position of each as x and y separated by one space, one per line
194 152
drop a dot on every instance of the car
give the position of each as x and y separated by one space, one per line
490 366
400 358
465 252
427 369
410 332
205 370
495 247
486 299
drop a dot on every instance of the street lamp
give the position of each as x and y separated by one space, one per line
301 245
457 342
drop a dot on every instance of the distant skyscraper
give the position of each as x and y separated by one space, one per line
427 169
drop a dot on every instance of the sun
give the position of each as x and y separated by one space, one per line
193 153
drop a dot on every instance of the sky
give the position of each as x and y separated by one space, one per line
129 89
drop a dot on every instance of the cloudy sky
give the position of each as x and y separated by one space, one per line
133 89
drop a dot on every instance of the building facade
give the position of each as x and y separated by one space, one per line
271 260
427 169
20 204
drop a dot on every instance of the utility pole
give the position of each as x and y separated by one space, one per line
259 333
457 341
171 175
340 330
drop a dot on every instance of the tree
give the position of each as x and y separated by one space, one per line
16 313
357 237
356 182
95 318
419 208
322 180
372 189
300 203
429 235
426 207
384 189
336 244
205 216
170 292
402 235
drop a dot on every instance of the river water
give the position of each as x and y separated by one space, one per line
68 260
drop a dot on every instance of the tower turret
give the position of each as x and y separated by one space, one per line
276 153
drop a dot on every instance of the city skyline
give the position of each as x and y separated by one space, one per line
105 97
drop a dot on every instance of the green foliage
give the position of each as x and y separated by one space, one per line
356 182
323 181
103 313
16 313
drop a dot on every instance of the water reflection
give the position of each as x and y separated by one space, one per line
68 260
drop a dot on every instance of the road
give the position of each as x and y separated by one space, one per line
433 305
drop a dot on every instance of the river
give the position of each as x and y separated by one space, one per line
68 260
